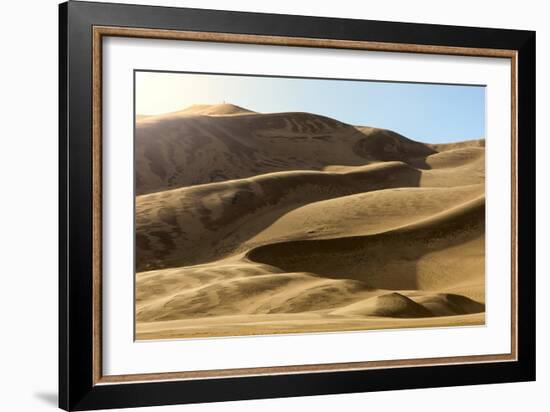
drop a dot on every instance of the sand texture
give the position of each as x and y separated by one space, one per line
250 223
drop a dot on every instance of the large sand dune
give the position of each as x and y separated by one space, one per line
251 223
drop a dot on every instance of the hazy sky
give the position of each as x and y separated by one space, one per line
425 112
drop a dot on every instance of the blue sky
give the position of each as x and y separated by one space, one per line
430 113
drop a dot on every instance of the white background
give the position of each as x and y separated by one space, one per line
28 218
124 356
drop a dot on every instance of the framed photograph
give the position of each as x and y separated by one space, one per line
256 205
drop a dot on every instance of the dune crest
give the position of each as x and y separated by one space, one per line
221 109
250 223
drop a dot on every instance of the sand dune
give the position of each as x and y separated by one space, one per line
202 223
442 147
190 148
206 222
387 260
223 109
364 213
251 223
397 305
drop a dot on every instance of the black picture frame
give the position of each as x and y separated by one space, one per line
77 389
